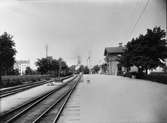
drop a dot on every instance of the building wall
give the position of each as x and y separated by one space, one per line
112 64
21 66
113 67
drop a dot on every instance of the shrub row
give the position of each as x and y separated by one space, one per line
158 73
156 77
16 80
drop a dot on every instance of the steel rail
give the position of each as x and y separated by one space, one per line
63 105
18 86
21 88
37 120
31 103
27 83
65 96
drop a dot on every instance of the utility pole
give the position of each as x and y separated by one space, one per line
88 64
89 61
59 68
46 48
78 60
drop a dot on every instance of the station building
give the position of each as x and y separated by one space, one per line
111 58
112 55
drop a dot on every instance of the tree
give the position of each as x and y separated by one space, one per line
55 67
146 51
125 60
44 65
96 69
29 71
13 72
104 67
86 70
83 69
52 66
165 69
72 68
7 53
63 67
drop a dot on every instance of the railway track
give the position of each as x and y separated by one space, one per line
46 108
20 88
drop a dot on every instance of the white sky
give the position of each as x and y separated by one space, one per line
76 27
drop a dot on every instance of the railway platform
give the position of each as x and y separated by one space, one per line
112 99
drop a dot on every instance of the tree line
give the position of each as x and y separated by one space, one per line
56 67
147 51
48 65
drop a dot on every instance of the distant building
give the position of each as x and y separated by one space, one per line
21 66
111 57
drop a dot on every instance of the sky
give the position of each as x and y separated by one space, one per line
73 28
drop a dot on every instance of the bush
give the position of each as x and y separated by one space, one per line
16 80
158 73
156 77
128 74
136 74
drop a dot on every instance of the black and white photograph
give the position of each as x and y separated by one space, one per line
83 61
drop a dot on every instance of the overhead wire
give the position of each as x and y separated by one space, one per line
138 19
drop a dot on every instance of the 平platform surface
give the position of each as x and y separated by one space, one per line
112 99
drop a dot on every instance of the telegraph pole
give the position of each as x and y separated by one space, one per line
88 64
46 49
78 60
59 69
89 60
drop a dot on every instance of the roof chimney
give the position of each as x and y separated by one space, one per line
120 44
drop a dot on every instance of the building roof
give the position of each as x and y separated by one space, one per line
114 50
22 62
